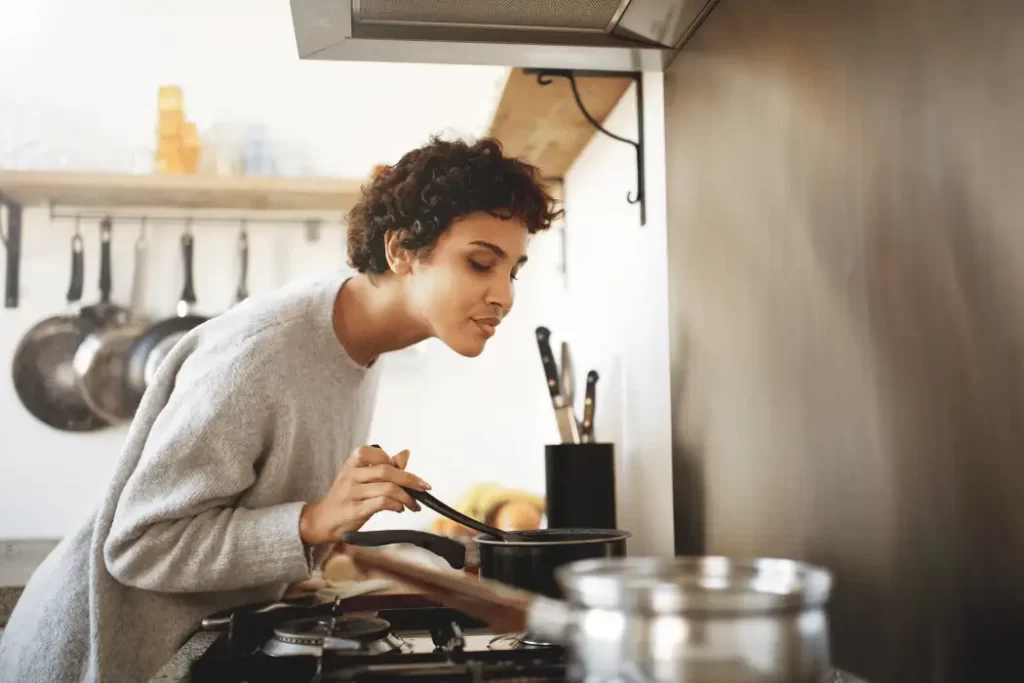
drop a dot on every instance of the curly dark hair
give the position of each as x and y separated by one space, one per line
434 185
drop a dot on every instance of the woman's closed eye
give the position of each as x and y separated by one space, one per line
485 268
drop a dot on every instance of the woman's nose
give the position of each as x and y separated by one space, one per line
502 296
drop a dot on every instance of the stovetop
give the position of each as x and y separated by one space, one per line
320 643
416 643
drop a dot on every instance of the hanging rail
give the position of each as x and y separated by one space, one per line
11 229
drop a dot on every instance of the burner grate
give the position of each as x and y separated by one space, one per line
313 631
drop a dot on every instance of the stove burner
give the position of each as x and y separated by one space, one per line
313 631
517 641
531 640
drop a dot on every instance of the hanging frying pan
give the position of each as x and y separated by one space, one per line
101 360
44 378
152 346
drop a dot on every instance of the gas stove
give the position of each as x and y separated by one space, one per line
337 643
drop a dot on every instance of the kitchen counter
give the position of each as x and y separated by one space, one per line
178 667
18 559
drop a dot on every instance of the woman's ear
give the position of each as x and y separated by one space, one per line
399 258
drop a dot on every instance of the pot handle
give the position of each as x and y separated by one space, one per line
220 621
453 552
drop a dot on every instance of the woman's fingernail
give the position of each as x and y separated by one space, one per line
425 485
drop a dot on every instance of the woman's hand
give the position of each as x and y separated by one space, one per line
369 482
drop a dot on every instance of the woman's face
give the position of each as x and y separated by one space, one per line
464 286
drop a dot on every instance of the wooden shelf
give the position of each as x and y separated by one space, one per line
542 124
33 188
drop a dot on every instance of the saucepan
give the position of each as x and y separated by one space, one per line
529 562
524 559
656 620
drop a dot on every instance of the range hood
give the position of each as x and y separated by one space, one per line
594 35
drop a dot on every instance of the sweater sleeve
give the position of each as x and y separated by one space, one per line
178 526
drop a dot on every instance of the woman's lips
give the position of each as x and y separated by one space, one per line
487 325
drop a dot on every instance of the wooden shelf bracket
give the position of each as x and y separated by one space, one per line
10 235
547 76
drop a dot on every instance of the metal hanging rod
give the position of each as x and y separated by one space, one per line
312 226
11 228
180 217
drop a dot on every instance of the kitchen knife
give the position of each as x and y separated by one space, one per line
568 378
589 398
547 359
569 388
568 428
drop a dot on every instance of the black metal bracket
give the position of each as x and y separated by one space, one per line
547 76
11 239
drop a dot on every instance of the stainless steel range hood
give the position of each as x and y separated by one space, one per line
606 35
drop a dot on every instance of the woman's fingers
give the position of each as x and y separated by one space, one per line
368 508
367 455
389 473
386 488
401 459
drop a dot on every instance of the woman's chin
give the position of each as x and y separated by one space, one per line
466 346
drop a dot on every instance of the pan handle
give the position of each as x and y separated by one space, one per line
450 550
276 609
77 270
242 291
188 292
456 516
106 283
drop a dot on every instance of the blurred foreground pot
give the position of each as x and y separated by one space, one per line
692 620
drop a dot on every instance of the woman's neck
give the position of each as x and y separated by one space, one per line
371 318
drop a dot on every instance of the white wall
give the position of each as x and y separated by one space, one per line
614 312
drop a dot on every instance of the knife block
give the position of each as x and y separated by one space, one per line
580 485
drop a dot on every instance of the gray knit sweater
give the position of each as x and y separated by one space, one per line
250 416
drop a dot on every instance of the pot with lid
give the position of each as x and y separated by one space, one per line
692 619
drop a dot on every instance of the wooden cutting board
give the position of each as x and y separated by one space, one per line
340 568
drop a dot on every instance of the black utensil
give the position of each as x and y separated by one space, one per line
456 516
589 406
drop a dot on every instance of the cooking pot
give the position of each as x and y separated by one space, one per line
529 563
701 619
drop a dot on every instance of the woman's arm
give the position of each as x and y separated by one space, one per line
177 527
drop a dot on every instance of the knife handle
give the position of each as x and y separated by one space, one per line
589 405
547 359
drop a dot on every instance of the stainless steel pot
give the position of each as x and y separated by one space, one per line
691 620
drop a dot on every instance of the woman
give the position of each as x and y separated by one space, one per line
234 482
